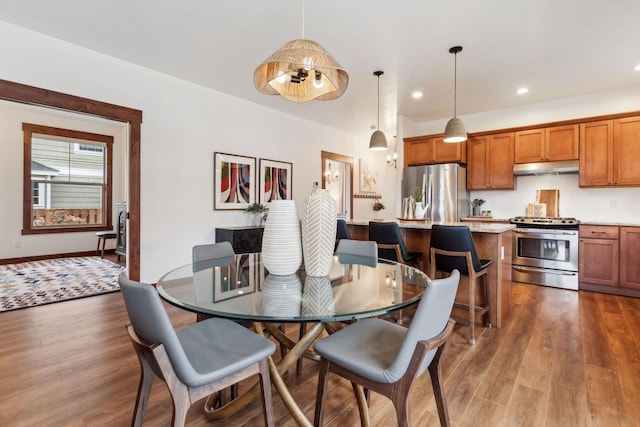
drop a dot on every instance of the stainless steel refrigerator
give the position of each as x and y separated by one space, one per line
443 189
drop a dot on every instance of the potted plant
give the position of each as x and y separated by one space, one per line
259 211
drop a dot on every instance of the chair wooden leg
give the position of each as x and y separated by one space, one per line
401 404
472 309
320 396
438 390
144 390
265 385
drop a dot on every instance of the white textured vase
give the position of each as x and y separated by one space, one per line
281 295
281 246
318 232
419 211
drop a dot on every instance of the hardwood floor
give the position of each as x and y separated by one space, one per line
563 358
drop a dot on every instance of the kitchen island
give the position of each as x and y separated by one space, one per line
493 242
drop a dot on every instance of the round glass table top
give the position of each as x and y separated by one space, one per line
240 288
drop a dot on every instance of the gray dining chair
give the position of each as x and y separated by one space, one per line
358 252
196 361
212 251
386 357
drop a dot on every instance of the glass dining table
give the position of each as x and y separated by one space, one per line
241 288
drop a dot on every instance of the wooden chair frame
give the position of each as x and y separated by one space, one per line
474 310
154 362
399 391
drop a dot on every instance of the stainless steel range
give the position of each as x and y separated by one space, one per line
545 251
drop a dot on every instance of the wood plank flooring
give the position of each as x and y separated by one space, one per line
563 358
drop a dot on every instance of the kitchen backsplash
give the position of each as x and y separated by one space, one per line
585 204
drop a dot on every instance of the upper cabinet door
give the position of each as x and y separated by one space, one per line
596 153
626 151
530 146
562 143
490 162
547 144
426 150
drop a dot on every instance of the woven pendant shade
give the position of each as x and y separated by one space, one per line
301 71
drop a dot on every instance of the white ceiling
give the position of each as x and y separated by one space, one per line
557 48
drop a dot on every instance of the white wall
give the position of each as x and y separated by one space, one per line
183 125
586 204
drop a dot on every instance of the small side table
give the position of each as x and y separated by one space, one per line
103 236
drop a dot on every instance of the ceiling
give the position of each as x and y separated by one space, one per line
556 48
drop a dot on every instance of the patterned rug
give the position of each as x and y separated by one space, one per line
35 283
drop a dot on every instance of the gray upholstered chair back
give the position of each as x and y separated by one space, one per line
212 251
430 319
151 323
363 252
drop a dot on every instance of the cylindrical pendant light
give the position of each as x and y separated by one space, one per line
455 131
378 141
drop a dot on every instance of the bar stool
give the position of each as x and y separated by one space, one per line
452 248
103 236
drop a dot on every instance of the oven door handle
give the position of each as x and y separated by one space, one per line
547 271
546 232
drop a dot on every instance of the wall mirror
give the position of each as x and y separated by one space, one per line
337 177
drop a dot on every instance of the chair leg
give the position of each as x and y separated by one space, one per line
438 390
472 310
265 386
322 391
401 404
181 405
144 390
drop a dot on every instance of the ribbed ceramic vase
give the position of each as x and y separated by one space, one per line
281 246
319 221
281 295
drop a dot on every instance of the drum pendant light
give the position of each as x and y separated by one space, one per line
455 130
378 140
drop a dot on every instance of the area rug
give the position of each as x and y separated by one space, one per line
35 283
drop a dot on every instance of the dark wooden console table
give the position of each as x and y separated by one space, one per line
244 239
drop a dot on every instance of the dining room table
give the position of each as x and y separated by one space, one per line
240 288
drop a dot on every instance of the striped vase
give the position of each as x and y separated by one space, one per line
318 232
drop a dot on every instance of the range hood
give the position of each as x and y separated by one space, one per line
542 168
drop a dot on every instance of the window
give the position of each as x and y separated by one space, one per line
67 180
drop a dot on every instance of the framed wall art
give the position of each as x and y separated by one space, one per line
233 181
275 182
368 177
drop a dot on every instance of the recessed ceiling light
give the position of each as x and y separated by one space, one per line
522 90
637 67
417 94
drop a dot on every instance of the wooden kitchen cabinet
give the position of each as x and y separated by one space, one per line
630 257
490 162
547 144
430 149
610 259
609 152
598 255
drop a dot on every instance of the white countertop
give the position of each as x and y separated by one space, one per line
476 227
611 223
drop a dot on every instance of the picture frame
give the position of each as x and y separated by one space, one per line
368 181
234 180
275 181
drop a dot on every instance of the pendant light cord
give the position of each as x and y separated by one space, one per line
378 102
455 83
302 19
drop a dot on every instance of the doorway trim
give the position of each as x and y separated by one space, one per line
327 155
16 92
